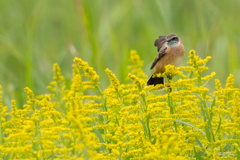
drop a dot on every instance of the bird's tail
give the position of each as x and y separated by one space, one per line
156 80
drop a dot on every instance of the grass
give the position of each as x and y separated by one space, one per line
36 34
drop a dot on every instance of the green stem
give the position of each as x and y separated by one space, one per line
172 110
170 104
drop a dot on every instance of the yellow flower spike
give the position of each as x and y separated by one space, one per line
57 73
140 83
59 80
114 81
76 84
198 64
52 89
201 69
204 61
136 65
186 68
206 78
171 71
31 100
88 71
218 85
192 57
236 108
216 154
35 117
76 70
153 88
158 75
14 109
203 90
134 57
143 93
230 81
3 109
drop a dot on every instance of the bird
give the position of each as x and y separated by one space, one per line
170 51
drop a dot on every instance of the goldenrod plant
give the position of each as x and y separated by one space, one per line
180 120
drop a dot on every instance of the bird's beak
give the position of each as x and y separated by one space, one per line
168 40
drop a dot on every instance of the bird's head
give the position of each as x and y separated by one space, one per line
173 40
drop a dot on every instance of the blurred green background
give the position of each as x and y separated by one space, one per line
36 34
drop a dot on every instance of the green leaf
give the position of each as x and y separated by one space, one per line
210 118
197 155
154 141
202 101
61 136
117 122
170 105
144 127
105 104
190 125
108 121
116 112
149 132
228 145
99 135
213 103
100 118
213 136
208 134
200 144
219 125
160 116
238 154
8 156
175 125
203 112
191 74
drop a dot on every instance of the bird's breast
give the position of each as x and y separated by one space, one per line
172 56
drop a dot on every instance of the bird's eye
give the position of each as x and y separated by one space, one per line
175 38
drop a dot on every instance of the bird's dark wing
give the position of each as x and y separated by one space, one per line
159 42
161 53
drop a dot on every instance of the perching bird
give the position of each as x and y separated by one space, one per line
170 51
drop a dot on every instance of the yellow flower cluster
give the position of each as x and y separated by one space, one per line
136 65
88 71
170 72
125 121
114 81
